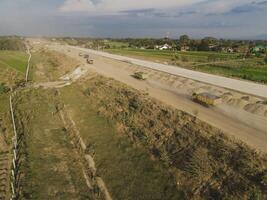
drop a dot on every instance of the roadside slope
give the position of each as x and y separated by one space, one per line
204 162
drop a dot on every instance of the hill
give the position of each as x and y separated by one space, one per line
11 43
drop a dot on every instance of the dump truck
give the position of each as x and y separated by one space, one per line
90 61
140 75
86 56
206 99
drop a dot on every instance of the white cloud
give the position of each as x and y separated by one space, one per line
219 6
114 6
77 6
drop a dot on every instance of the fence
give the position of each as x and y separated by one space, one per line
14 169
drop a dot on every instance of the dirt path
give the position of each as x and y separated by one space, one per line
247 87
29 62
233 126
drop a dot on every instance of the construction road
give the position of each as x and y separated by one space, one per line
246 87
244 128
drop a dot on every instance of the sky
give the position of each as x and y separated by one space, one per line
236 19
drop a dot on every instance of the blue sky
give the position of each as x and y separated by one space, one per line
134 18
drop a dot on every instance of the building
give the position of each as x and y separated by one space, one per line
165 47
185 48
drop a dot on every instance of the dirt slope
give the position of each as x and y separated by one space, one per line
205 163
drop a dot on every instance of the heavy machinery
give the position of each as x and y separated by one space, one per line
90 61
206 98
86 56
140 75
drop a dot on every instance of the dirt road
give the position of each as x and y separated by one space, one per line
243 129
233 84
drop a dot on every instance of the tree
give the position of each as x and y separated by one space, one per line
204 45
184 40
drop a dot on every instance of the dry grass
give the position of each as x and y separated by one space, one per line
205 163
51 65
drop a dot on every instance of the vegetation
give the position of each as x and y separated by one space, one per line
3 88
50 168
14 59
203 161
11 44
50 65
126 167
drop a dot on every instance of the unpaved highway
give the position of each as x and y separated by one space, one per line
230 124
246 87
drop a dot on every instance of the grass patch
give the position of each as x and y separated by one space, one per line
5 123
157 54
51 167
126 168
14 59
50 65
257 74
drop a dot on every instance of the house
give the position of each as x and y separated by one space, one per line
213 47
185 48
229 50
165 47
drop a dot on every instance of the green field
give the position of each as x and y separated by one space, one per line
50 165
225 64
169 55
114 44
14 59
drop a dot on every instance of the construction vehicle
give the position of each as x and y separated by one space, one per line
206 99
90 61
140 75
86 56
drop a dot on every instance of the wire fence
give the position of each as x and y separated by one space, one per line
14 169
15 139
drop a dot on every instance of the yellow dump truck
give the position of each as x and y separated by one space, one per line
140 75
206 98
90 61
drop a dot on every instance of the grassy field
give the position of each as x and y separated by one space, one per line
169 55
114 44
12 68
126 168
50 166
5 122
14 59
225 64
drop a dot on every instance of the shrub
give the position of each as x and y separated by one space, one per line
184 58
3 88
